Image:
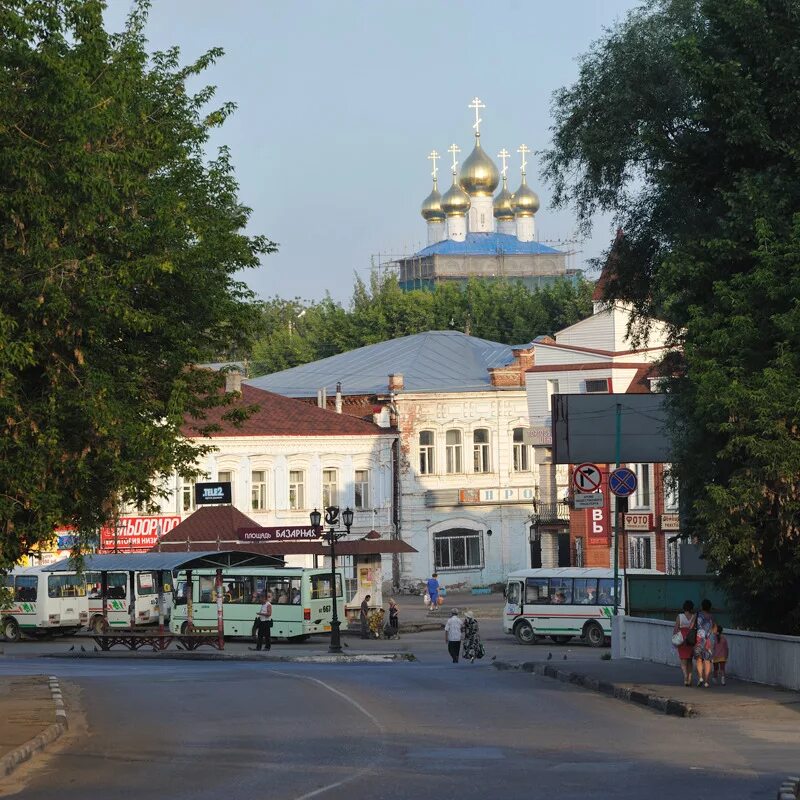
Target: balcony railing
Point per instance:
(552, 512)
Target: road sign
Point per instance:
(586, 478)
(622, 482)
(583, 500)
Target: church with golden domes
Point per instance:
(473, 233)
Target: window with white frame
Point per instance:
(227, 477)
(187, 495)
(521, 460)
(453, 455)
(297, 489)
(671, 499)
(640, 555)
(643, 496)
(361, 489)
(480, 450)
(458, 548)
(258, 490)
(427, 455)
(330, 487)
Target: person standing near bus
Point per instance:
(265, 623)
(364, 617)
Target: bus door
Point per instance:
(66, 600)
(513, 603)
(116, 600)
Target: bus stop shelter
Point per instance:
(166, 564)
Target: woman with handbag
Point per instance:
(685, 624)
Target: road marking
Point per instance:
(371, 717)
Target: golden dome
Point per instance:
(504, 203)
(479, 176)
(432, 205)
(455, 202)
(526, 201)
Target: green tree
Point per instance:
(120, 242)
(684, 122)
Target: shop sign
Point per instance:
(136, 533)
(468, 497)
(538, 435)
(638, 522)
(599, 531)
(302, 533)
(207, 494)
(670, 522)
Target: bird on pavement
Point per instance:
(549, 656)
(494, 658)
(565, 656)
(83, 649)
(72, 648)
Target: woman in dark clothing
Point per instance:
(473, 648)
(393, 628)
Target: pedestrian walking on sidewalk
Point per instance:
(265, 624)
(720, 654)
(364, 617)
(684, 622)
(433, 591)
(473, 647)
(704, 647)
(393, 628)
(453, 632)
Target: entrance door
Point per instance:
(536, 549)
(563, 550)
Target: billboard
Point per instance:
(136, 534)
(584, 428)
(218, 493)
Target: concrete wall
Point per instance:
(759, 657)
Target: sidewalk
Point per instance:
(413, 611)
(642, 681)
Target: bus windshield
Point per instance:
(321, 586)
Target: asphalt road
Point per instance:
(428, 729)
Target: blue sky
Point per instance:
(339, 103)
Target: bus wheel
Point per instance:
(524, 633)
(594, 634)
(11, 630)
(185, 628)
(97, 625)
(560, 639)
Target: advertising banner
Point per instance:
(207, 494)
(136, 534)
(598, 520)
(302, 533)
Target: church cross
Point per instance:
(454, 149)
(477, 105)
(434, 157)
(503, 155)
(524, 149)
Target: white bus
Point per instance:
(42, 602)
(301, 600)
(562, 603)
(118, 599)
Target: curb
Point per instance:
(332, 658)
(666, 705)
(10, 761)
(789, 789)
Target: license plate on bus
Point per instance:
(326, 627)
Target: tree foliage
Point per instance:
(685, 123)
(293, 332)
(119, 242)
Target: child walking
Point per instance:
(720, 655)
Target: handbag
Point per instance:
(677, 639)
(691, 634)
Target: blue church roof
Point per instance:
(435, 361)
(486, 244)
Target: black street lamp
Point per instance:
(332, 536)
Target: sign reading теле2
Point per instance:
(299, 534)
(218, 493)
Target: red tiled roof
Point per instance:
(281, 416)
(209, 524)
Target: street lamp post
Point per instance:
(332, 536)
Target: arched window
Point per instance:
(427, 453)
(480, 450)
(453, 448)
(521, 452)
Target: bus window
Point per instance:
(117, 586)
(25, 590)
(606, 592)
(207, 593)
(321, 586)
(238, 589)
(585, 591)
(512, 594)
(561, 590)
(145, 583)
(180, 593)
(65, 586)
(536, 591)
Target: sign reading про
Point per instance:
(507, 494)
(209, 494)
(299, 534)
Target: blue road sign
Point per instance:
(622, 482)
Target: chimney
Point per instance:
(324, 396)
(338, 397)
(233, 380)
(396, 382)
